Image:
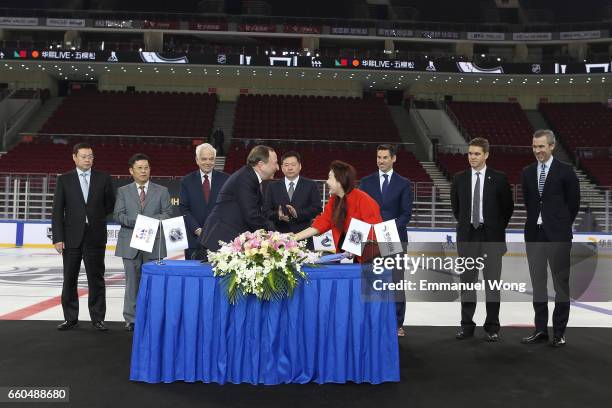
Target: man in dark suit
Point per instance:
(551, 192)
(199, 191)
(393, 193)
(83, 198)
(292, 202)
(239, 206)
(482, 203)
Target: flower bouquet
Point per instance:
(265, 264)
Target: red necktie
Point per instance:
(206, 188)
(142, 196)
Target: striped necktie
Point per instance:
(542, 179)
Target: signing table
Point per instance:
(186, 330)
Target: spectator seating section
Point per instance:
(499, 122)
(313, 118)
(139, 113)
(167, 159)
(580, 124)
(584, 125)
(317, 157)
(599, 169)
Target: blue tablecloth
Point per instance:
(187, 330)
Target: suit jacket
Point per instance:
(70, 210)
(192, 204)
(497, 204)
(397, 203)
(238, 209)
(558, 204)
(306, 200)
(156, 205)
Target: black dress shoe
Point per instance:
(536, 337)
(99, 325)
(464, 334)
(558, 341)
(129, 327)
(491, 337)
(67, 325)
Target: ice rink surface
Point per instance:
(31, 284)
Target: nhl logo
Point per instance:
(356, 237)
(176, 235)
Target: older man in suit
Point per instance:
(239, 206)
(292, 202)
(551, 192)
(151, 200)
(82, 200)
(199, 191)
(393, 193)
(482, 203)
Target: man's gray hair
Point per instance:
(550, 136)
(205, 146)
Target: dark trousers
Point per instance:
(400, 298)
(477, 246)
(93, 258)
(540, 255)
(196, 254)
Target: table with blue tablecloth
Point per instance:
(186, 330)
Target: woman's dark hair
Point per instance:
(346, 175)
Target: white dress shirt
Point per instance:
(287, 181)
(482, 181)
(146, 188)
(547, 164)
(88, 178)
(202, 174)
(381, 179)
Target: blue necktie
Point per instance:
(84, 186)
(542, 179)
(385, 184)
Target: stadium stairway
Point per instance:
(407, 132)
(42, 115)
(220, 163)
(224, 119)
(439, 179)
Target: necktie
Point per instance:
(476, 203)
(385, 185)
(206, 188)
(84, 186)
(542, 179)
(142, 196)
(291, 191)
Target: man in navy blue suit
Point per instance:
(551, 193)
(292, 202)
(239, 206)
(393, 193)
(198, 196)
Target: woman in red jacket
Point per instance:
(346, 202)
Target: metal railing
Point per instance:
(30, 197)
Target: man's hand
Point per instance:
(292, 211)
(59, 247)
(282, 216)
(198, 232)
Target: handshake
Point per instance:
(285, 214)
